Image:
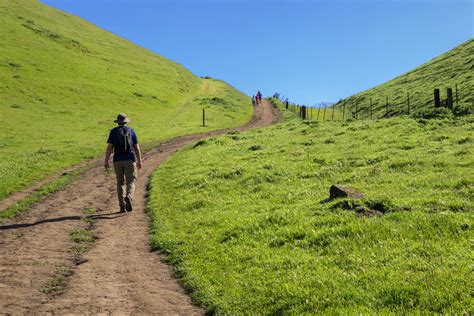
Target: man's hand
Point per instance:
(139, 155)
(108, 152)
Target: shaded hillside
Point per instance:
(63, 79)
(445, 71)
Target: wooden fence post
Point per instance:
(449, 99)
(408, 102)
(437, 99)
(203, 117)
(357, 111)
(324, 114)
(371, 108)
(332, 118)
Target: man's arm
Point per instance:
(139, 155)
(108, 152)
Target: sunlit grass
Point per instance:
(414, 91)
(246, 221)
(63, 81)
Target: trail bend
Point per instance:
(119, 274)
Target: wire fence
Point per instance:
(460, 101)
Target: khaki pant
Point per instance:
(126, 172)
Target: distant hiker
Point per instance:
(253, 100)
(123, 143)
(259, 96)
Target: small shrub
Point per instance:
(463, 140)
(432, 113)
(462, 110)
(255, 147)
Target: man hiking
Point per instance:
(123, 143)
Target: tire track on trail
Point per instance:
(119, 274)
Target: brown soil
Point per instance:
(119, 274)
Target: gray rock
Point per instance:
(339, 191)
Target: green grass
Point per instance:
(82, 236)
(248, 226)
(83, 239)
(64, 80)
(45, 190)
(57, 281)
(445, 71)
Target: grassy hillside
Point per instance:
(249, 226)
(453, 67)
(63, 80)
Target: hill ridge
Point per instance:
(450, 69)
(65, 79)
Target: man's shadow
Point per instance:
(65, 218)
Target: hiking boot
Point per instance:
(128, 204)
(122, 208)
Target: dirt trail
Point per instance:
(120, 273)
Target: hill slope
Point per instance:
(249, 226)
(63, 80)
(445, 71)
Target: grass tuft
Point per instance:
(45, 190)
(57, 281)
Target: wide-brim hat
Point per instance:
(122, 118)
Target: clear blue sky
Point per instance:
(310, 51)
